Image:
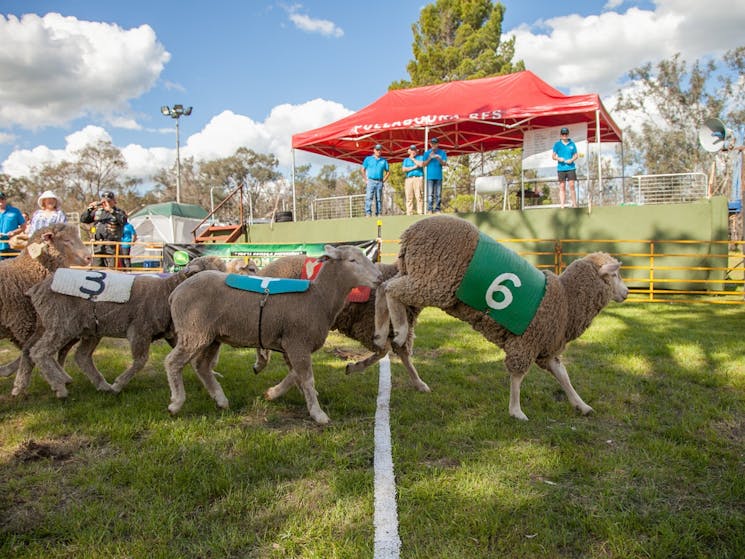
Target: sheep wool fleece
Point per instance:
(503, 285)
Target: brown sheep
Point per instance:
(144, 318)
(50, 248)
(434, 256)
(207, 312)
(356, 321)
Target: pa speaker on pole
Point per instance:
(714, 136)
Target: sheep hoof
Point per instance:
(585, 410)
(321, 418)
(257, 369)
(519, 415)
(421, 386)
(16, 392)
(106, 387)
(222, 403)
(379, 341)
(271, 393)
(116, 388)
(61, 392)
(173, 409)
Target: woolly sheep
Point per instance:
(143, 319)
(356, 321)
(207, 312)
(435, 253)
(50, 248)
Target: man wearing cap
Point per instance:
(414, 181)
(375, 170)
(565, 154)
(435, 159)
(11, 223)
(109, 222)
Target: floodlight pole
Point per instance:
(177, 111)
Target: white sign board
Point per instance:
(538, 147)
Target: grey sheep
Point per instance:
(356, 321)
(207, 312)
(434, 256)
(49, 248)
(144, 318)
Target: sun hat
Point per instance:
(46, 194)
(564, 131)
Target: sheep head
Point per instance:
(366, 273)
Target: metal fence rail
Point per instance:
(670, 189)
(338, 207)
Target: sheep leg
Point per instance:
(204, 361)
(400, 292)
(262, 360)
(36, 351)
(9, 368)
(174, 364)
(140, 350)
(404, 355)
(303, 368)
(290, 380)
(556, 368)
(84, 360)
(382, 318)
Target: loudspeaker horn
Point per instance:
(714, 136)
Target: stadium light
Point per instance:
(177, 111)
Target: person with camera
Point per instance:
(109, 222)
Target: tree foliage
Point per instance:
(675, 98)
(459, 40)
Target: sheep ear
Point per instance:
(35, 249)
(611, 268)
(331, 251)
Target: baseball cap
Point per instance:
(564, 131)
(434, 141)
(412, 146)
(108, 194)
(378, 146)
(2, 196)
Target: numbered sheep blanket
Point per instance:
(95, 285)
(502, 284)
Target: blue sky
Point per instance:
(258, 71)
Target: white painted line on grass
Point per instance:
(387, 542)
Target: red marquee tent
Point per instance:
(466, 116)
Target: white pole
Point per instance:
(178, 164)
(294, 210)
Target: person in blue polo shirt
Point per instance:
(412, 167)
(435, 159)
(565, 154)
(375, 170)
(11, 223)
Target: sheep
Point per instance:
(434, 256)
(356, 321)
(143, 319)
(49, 248)
(207, 312)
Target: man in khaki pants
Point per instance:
(414, 180)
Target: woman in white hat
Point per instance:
(49, 212)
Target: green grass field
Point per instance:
(657, 471)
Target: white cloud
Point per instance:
(221, 136)
(594, 53)
(54, 69)
(313, 25)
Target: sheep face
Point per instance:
(363, 270)
(62, 242)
